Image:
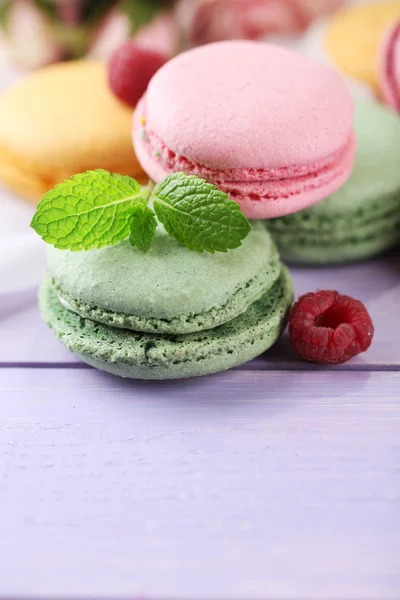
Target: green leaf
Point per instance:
(90, 210)
(198, 215)
(143, 227)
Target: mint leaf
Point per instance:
(143, 227)
(90, 210)
(97, 209)
(198, 215)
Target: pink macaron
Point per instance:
(389, 72)
(270, 127)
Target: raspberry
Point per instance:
(327, 327)
(130, 69)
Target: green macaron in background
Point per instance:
(171, 313)
(362, 219)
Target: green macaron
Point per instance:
(171, 313)
(141, 355)
(169, 290)
(362, 219)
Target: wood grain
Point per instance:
(240, 485)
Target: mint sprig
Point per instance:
(97, 209)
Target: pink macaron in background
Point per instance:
(389, 72)
(272, 128)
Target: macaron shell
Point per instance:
(248, 105)
(354, 36)
(63, 120)
(169, 289)
(149, 356)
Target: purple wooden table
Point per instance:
(276, 480)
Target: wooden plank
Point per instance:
(268, 485)
(25, 339)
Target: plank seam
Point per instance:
(372, 368)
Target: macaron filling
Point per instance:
(246, 186)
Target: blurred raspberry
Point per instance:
(130, 69)
(328, 327)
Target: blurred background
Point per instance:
(38, 32)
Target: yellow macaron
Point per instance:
(354, 34)
(59, 121)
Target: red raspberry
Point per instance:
(327, 327)
(130, 69)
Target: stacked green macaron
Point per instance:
(362, 219)
(170, 313)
